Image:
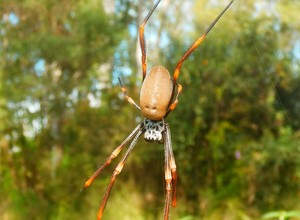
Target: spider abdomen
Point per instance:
(156, 93)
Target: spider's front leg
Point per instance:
(117, 171)
(170, 173)
(113, 155)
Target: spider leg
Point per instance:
(113, 155)
(143, 40)
(168, 179)
(128, 98)
(197, 43)
(174, 104)
(117, 172)
(170, 173)
(172, 164)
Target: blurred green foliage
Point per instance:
(235, 131)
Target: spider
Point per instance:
(158, 97)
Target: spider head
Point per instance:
(154, 130)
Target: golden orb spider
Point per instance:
(158, 97)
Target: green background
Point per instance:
(235, 131)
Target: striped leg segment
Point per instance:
(128, 98)
(117, 171)
(112, 156)
(143, 40)
(170, 173)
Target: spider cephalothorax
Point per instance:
(154, 130)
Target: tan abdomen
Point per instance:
(156, 93)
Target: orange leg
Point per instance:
(112, 156)
(174, 104)
(167, 200)
(128, 98)
(143, 40)
(197, 43)
(174, 183)
(170, 174)
(172, 164)
(117, 171)
(168, 179)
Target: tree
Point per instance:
(234, 130)
(53, 60)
